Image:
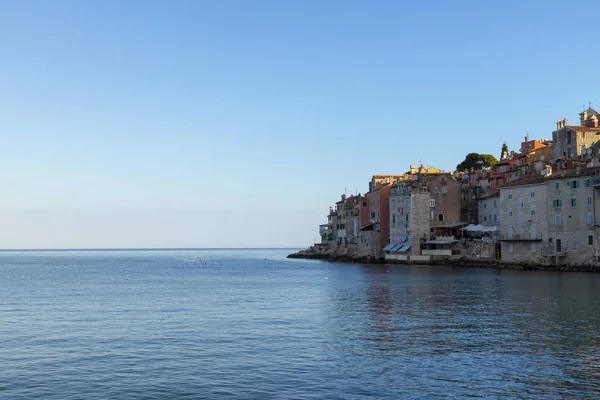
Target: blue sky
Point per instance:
(237, 123)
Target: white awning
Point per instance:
(389, 247)
(404, 248)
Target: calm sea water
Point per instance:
(253, 325)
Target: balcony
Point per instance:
(550, 251)
(595, 181)
(520, 238)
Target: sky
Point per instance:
(238, 123)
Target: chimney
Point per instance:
(526, 138)
(593, 121)
(583, 117)
(565, 122)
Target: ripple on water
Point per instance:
(153, 324)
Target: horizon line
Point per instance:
(150, 248)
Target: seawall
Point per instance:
(459, 262)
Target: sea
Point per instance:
(251, 324)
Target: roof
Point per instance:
(570, 173)
(578, 128)
(530, 179)
(449, 225)
(590, 110)
(488, 195)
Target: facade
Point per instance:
(340, 236)
(570, 141)
(523, 219)
(489, 209)
(570, 219)
(409, 216)
(444, 204)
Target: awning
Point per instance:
(490, 229)
(474, 228)
(404, 248)
(389, 247)
(449, 225)
(467, 228)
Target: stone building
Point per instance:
(351, 211)
(570, 217)
(570, 141)
(523, 219)
(489, 209)
(409, 216)
(444, 203)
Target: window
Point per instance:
(509, 195)
(373, 215)
(393, 218)
(590, 218)
(435, 189)
(532, 193)
(495, 218)
(521, 204)
(557, 220)
(556, 185)
(495, 205)
(432, 203)
(574, 184)
(510, 247)
(573, 202)
(510, 212)
(533, 247)
(591, 240)
(484, 205)
(521, 218)
(589, 200)
(444, 190)
(440, 217)
(431, 218)
(532, 211)
(587, 183)
(484, 219)
(557, 203)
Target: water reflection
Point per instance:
(534, 332)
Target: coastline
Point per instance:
(457, 262)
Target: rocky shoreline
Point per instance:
(456, 262)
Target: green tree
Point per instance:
(476, 161)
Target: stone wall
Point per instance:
(420, 206)
(523, 215)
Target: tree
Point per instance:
(504, 150)
(476, 161)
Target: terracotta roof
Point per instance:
(530, 179)
(578, 128)
(570, 173)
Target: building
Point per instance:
(523, 219)
(445, 204)
(352, 206)
(488, 206)
(570, 217)
(409, 217)
(570, 141)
